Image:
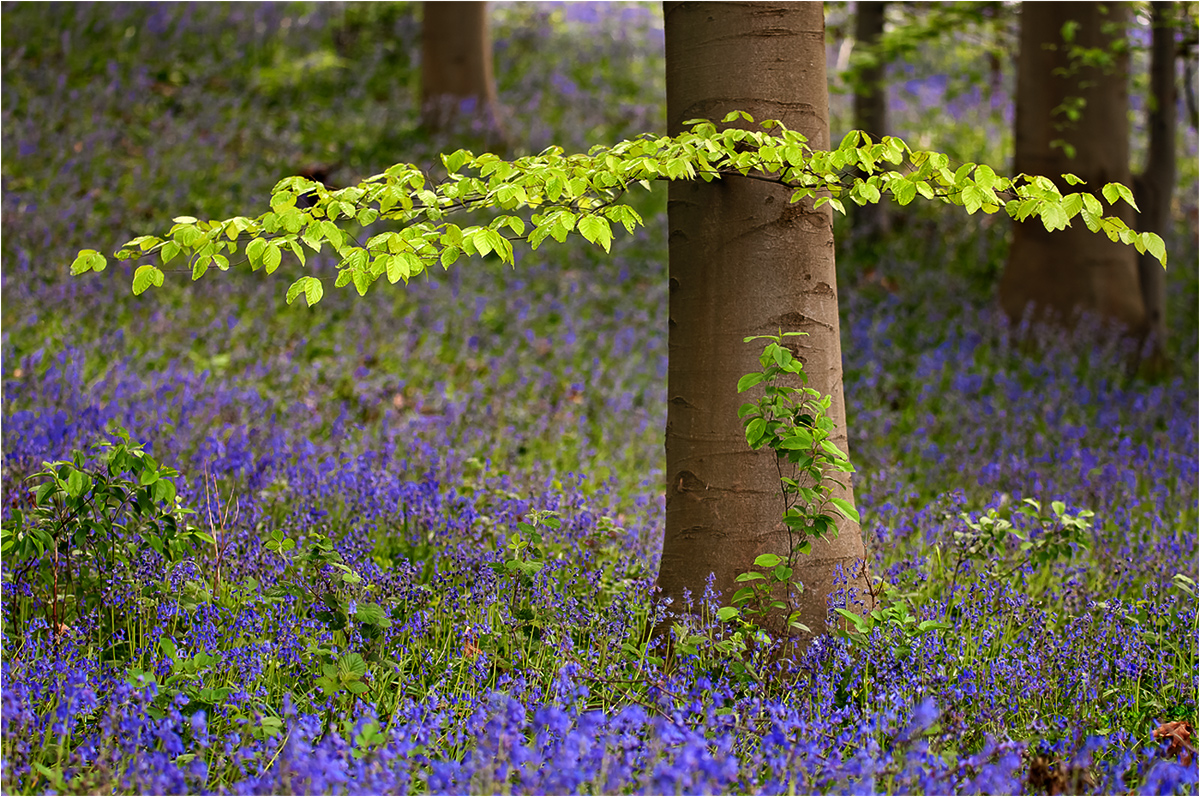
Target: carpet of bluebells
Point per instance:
(429, 520)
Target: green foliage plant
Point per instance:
(527, 555)
(87, 523)
(997, 548)
(329, 589)
(794, 423)
(582, 194)
(1002, 548)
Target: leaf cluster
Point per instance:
(792, 421)
(582, 194)
(87, 522)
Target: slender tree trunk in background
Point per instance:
(1070, 270)
(743, 261)
(1155, 185)
(870, 106)
(456, 64)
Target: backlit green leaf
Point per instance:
(146, 276)
(271, 257)
(596, 230)
(846, 508)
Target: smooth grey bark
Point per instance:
(456, 64)
(1061, 273)
(744, 261)
(1156, 184)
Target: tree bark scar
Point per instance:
(688, 482)
(768, 33)
(794, 320)
(703, 532)
(804, 213)
(787, 321)
(680, 401)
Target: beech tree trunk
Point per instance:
(456, 64)
(1155, 185)
(1061, 273)
(870, 106)
(744, 261)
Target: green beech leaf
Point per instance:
(145, 276)
(88, 260)
(1053, 217)
(331, 233)
(596, 230)
(271, 257)
(903, 190)
(1114, 191)
(985, 178)
(254, 253)
(403, 266)
(311, 288)
(1155, 246)
(297, 251)
(200, 266)
(361, 280)
(168, 252)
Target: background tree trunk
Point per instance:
(870, 105)
(456, 64)
(1155, 185)
(743, 261)
(1070, 270)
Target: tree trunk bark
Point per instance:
(1061, 273)
(743, 261)
(456, 65)
(870, 107)
(1155, 185)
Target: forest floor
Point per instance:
(427, 522)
